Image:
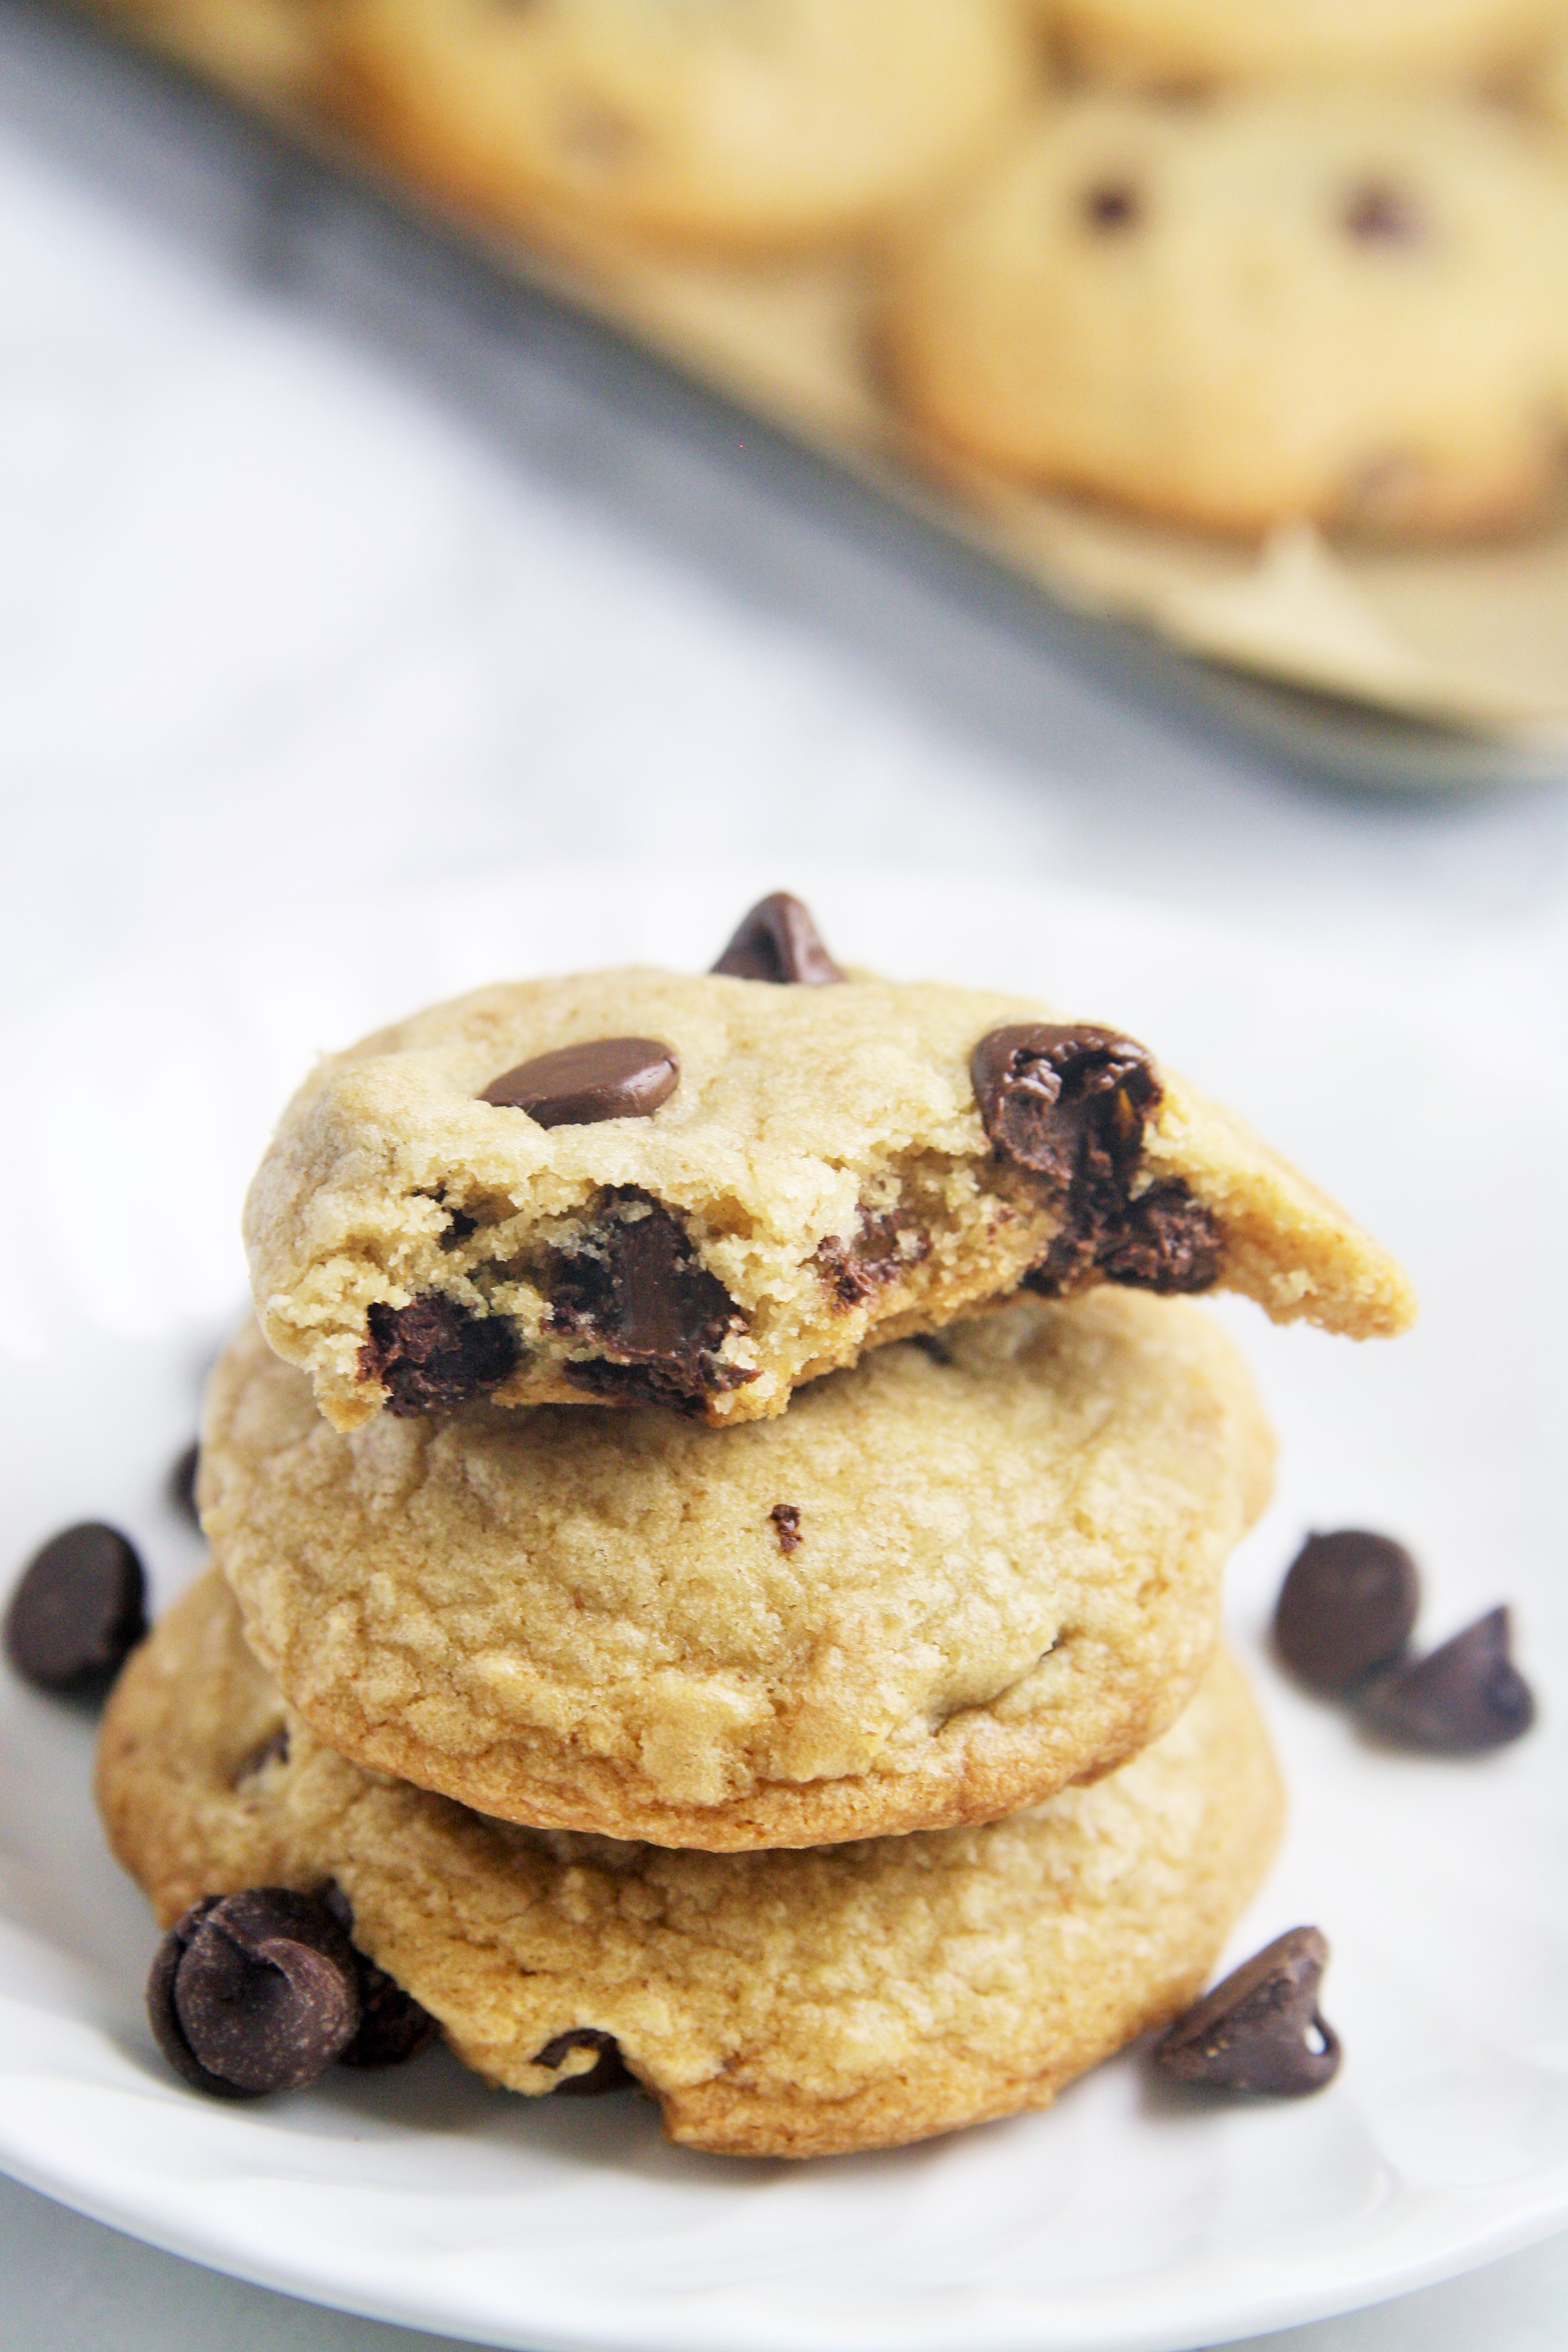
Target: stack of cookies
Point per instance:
(718, 1530)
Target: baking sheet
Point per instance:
(1472, 638)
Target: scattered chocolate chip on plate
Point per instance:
(1461, 1699)
(1261, 2029)
(79, 1610)
(1346, 1609)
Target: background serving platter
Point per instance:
(1128, 2216)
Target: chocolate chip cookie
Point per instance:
(1335, 306)
(273, 49)
(634, 1187)
(775, 2005)
(945, 1583)
(728, 124)
(1180, 42)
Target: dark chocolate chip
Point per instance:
(637, 1285)
(1261, 2029)
(1066, 1103)
(1460, 1700)
(183, 1483)
(433, 1354)
(1346, 1609)
(1377, 213)
(879, 1252)
(778, 942)
(79, 1610)
(393, 2026)
(1112, 204)
(785, 1517)
(610, 2074)
(606, 1077)
(253, 1992)
(1069, 1106)
(459, 1225)
(1163, 1241)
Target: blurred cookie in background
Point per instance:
(1156, 42)
(1336, 305)
(750, 125)
(1550, 91)
(267, 48)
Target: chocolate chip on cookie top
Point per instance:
(1261, 2029)
(253, 1992)
(79, 1610)
(1070, 1104)
(606, 1078)
(779, 941)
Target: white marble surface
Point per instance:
(324, 559)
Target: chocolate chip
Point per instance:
(778, 942)
(433, 1355)
(393, 2026)
(253, 1992)
(785, 1517)
(1346, 1609)
(183, 1483)
(1377, 213)
(1460, 1700)
(459, 1225)
(887, 1242)
(1112, 204)
(1163, 1241)
(611, 2073)
(637, 1285)
(1069, 1106)
(79, 1610)
(606, 1077)
(1260, 2029)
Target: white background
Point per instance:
(325, 559)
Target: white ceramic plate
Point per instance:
(1127, 2217)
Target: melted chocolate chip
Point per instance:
(610, 2074)
(253, 1992)
(1112, 204)
(1346, 1609)
(1261, 2029)
(778, 942)
(785, 1517)
(637, 1285)
(183, 1483)
(393, 2026)
(1378, 213)
(433, 1355)
(79, 1610)
(856, 1270)
(1164, 1241)
(1069, 1106)
(1460, 1700)
(606, 1078)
